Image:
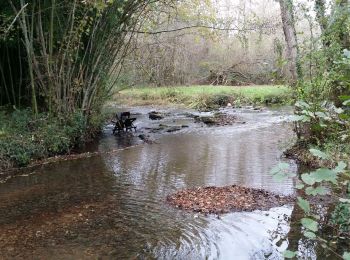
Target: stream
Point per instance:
(113, 205)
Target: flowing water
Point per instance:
(113, 205)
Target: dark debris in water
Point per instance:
(219, 200)
(219, 119)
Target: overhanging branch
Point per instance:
(14, 20)
(203, 27)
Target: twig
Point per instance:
(195, 26)
(15, 19)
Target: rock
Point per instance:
(219, 114)
(142, 137)
(206, 120)
(153, 115)
(219, 119)
(229, 105)
(146, 139)
(190, 115)
(173, 129)
(184, 126)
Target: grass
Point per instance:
(205, 96)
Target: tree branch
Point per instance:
(14, 20)
(196, 26)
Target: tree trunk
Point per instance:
(28, 41)
(290, 37)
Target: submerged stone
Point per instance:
(173, 129)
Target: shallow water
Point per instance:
(114, 205)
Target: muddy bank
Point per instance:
(300, 153)
(218, 200)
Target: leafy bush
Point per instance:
(320, 122)
(317, 183)
(208, 101)
(169, 93)
(221, 99)
(25, 137)
(202, 101)
(341, 218)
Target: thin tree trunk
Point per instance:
(51, 39)
(291, 38)
(28, 42)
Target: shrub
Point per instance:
(341, 218)
(24, 137)
(221, 99)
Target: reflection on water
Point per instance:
(113, 206)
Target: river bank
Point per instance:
(27, 139)
(205, 97)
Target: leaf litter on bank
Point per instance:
(219, 200)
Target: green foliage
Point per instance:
(221, 99)
(310, 235)
(321, 122)
(289, 254)
(329, 53)
(319, 154)
(316, 191)
(26, 137)
(309, 224)
(341, 218)
(320, 175)
(322, 118)
(314, 184)
(207, 101)
(346, 256)
(281, 172)
(78, 47)
(304, 205)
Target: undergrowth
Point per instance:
(25, 138)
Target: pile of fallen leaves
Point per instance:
(218, 200)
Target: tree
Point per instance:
(320, 9)
(288, 23)
(73, 50)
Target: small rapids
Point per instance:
(114, 205)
